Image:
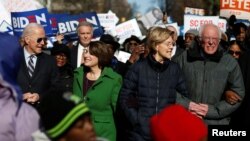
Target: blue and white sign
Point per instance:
(20, 20)
(68, 24)
(54, 18)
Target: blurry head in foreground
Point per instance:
(66, 118)
(175, 123)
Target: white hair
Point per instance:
(29, 29)
(209, 25)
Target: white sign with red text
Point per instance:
(108, 20)
(195, 22)
(222, 24)
(239, 8)
(126, 29)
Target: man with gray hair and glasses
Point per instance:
(209, 71)
(38, 71)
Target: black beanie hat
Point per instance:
(59, 111)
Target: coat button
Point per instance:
(86, 99)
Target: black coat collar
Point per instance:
(196, 53)
(156, 65)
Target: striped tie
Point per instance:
(31, 65)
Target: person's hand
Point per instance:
(231, 97)
(193, 107)
(31, 97)
(26, 96)
(59, 38)
(140, 49)
(194, 113)
(135, 55)
(34, 98)
(200, 110)
(203, 109)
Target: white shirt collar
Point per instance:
(26, 53)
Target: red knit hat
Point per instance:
(175, 123)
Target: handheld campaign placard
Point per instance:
(67, 25)
(54, 18)
(20, 20)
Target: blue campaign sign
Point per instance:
(20, 20)
(54, 18)
(68, 24)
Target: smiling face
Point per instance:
(210, 39)
(35, 41)
(89, 59)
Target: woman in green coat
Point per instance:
(98, 86)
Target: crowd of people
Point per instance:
(82, 92)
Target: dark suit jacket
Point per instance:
(73, 56)
(240, 117)
(45, 75)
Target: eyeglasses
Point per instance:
(169, 44)
(44, 39)
(207, 39)
(61, 56)
(234, 52)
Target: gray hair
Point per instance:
(211, 25)
(84, 23)
(29, 29)
(169, 27)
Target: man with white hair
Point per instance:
(38, 71)
(209, 71)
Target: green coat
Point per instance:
(101, 98)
